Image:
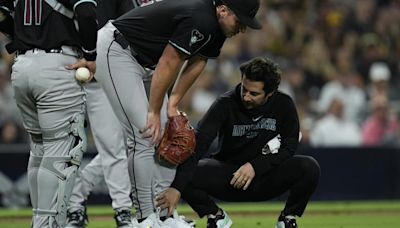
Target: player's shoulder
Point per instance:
(283, 98)
(228, 98)
(202, 10)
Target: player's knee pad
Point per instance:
(75, 128)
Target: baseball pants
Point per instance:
(126, 85)
(111, 161)
(299, 175)
(49, 99)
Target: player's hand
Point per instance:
(243, 176)
(91, 65)
(168, 199)
(153, 128)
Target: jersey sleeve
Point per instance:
(213, 48)
(190, 36)
(206, 132)
(7, 5)
(6, 20)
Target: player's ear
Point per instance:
(222, 10)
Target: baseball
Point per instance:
(82, 74)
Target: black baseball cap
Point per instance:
(245, 10)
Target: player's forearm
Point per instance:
(163, 77)
(186, 80)
(86, 17)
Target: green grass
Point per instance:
(351, 214)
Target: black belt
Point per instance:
(56, 50)
(124, 43)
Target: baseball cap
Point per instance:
(379, 71)
(245, 10)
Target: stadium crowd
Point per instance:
(341, 66)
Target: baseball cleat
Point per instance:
(153, 221)
(219, 221)
(177, 221)
(77, 219)
(286, 222)
(123, 218)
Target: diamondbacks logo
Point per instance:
(196, 37)
(252, 130)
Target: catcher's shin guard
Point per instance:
(66, 177)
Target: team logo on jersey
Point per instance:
(196, 37)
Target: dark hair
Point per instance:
(218, 2)
(262, 70)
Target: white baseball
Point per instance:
(82, 74)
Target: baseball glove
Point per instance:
(178, 142)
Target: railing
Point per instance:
(346, 174)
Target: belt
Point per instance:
(36, 50)
(124, 43)
(65, 50)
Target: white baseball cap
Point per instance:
(379, 71)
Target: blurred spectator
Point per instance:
(379, 75)
(292, 82)
(351, 48)
(334, 130)
(8, 107)
(361, 18)
(370, 50)
(347, 88)
(382, 127)
(11, 133)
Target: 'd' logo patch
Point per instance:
(196, 37)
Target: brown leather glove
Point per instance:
(178, 142)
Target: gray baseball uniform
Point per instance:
(124, 69)
(160, 35)
(111, 161)
(130, 81)
(112, 158)
(51, 101)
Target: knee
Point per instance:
(311, 168)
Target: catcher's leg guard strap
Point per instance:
(40, 218)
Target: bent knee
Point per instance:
(310, 167)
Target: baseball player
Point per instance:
(258, 131)
(49, 48)
(111, 161)
(140, 55)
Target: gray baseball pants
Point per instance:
(49, 99)
(125, 83)
(111, 161)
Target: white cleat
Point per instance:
(177, 221)
(153, 221)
